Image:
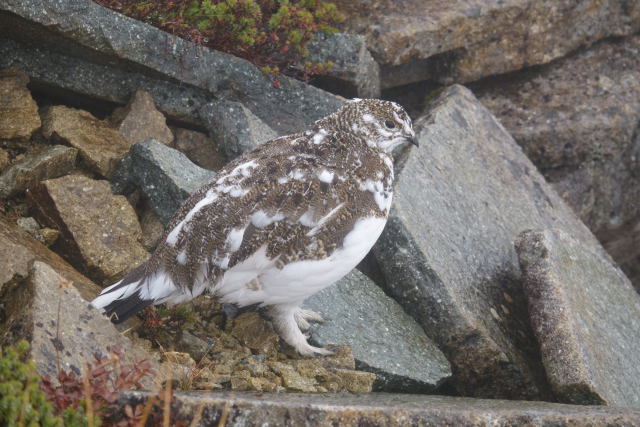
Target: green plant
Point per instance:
(273, 34)
(22, 402)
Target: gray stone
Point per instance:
(51, 162)
(165, 175)
(139, 120)
(447, 253)
(63, 329)
(83, 28)
(100, 231)
(381, 409)
(18, 111)
(19, 250)
(235, 127)
(577, 120)
(28, 224)
(586, 317)
(357, 73)
(384, 339)
(464, 40)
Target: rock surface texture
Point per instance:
(586, 317)
(384, 339)
(101, 147)
(384, 409)
(461, 40)
(165, 176)
(59, 324)
(100, 232)
(199, 148)
(18, 111)
(139, 120)
(578, 120)
(447, 253)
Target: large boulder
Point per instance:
(464, 40)
(100, 231)
(577, 120)
(385, 340)
(586, 317)
(447, 252)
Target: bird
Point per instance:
(279, 223)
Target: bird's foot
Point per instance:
(303, 316)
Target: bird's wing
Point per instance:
(284, 200)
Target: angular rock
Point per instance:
(139, 120)
(384, 339)
(463, 40)
(199, 148)
(4, 159)
(381, 409)
(62, 328)
(18, 251)
(51, 162)
(166, 176)
(83, 28)
(101, 147)
(254, 333)
(354, 72)
(100, 231)
(18, 111)
(235, 127)
(447, 253)
(577, 119)
(586, 317)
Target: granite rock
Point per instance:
(18, 111)
(51, 162)
(586, 317)
(165, 176)
(447, 253)
(462, 41)
(60, 325)
(100, 231)
(140, 120)
(577, 120)
(381, 409)
(101, 147)
(19, 250)
(199, 148)
(354, 72)
(384, 339)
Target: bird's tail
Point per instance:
(123, 299)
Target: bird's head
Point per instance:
(383, 124)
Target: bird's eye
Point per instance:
(389, 124)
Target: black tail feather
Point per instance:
(121, 309)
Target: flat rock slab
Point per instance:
(18, 251)
(51, 162)
(18, 111)
(100, 231)
(384, 339)
(139, 120)
(165, 175)
(586, 317)
(464, 40)
(59, 324)
(101, 147)
(447, 252)
(577, 120)
(382, 409)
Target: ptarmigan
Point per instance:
(279, 223)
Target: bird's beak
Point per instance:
(413, 140)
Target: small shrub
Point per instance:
(272, 34)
